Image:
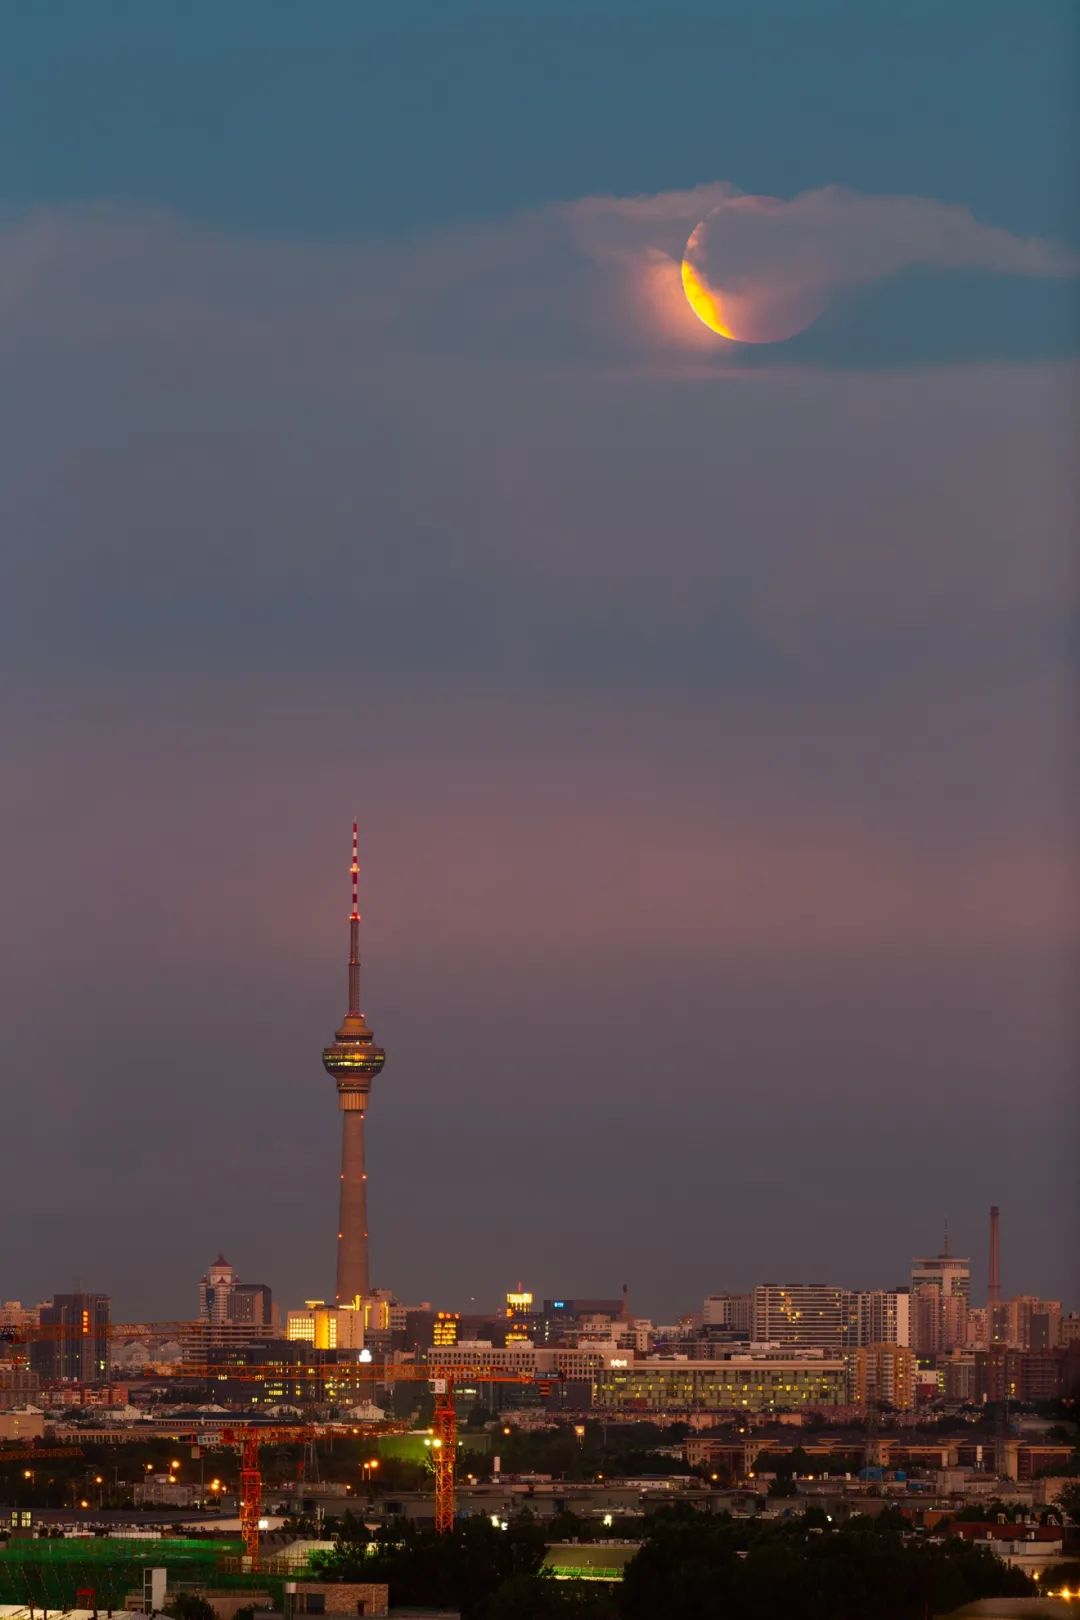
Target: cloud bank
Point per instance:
(595, 281)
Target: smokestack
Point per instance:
(993, 1291)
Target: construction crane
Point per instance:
(442, 1378)
(248, 1437)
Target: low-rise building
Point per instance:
(752, 1382)
(22, 1424)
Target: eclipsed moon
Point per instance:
(736, 297)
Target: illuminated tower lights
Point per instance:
(354, 1060)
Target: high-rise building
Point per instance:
(1025, 1322)
(445, 1328)
(215, 1291)
(883, 1374)
(882, 1316)
(1005, 1374)
(520, 1317)
(225, 1301)
(734, 1311)
(77, 1347)
(940, 1286)
(803, 1316)
(353, 1060)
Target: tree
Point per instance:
(541, 1597)
(748, 1570)
(1069, 1501)
(464, 1567)
(189, 1606)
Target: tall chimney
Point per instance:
(993, 1291)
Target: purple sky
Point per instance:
(709, 716)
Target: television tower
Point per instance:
(354, 1060)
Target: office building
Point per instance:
(734, 1311)
(803, 1316)
(327, 1327)
(74, 1346)
(750, 1382)
(223, 1299)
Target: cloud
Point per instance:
(759, 250)
(590, 283)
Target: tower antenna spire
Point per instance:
(354, 926)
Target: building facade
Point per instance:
(740, 1383)
(940, 1288)
(883, 1375)
(734, 1311)
(803, 1316)
(327, 1327)
(882, 1316)
(76, 1347)
(224, 1299)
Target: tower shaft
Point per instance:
(353, 1278)
(353, 1060)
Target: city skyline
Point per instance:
(708, 708)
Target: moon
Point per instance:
(739, 286)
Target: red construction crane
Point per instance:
(442, 1378)
(248, 1438)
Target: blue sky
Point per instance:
(708, 708)
(360, 119)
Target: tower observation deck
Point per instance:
(353, 1060)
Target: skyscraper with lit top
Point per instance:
(354, 1060)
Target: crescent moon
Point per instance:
(762, 306)
(704, 302)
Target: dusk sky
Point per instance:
(708, 708)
